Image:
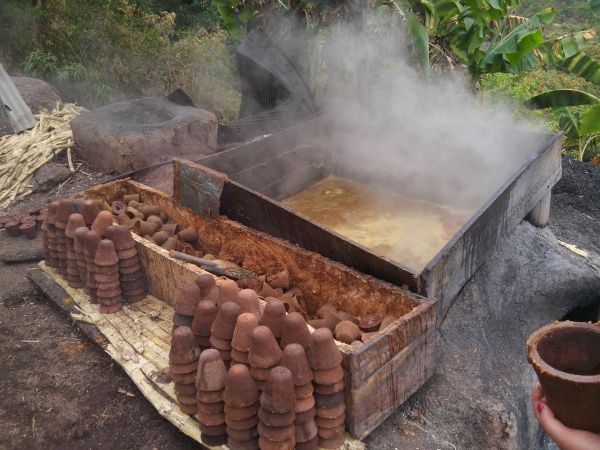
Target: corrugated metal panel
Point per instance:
(17, 110)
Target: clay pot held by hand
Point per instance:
(566, 358)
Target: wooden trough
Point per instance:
(380, 374)
(265, 171)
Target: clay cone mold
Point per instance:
(189, 234)
(188, 299)
(249, 302)
(566, 359)
(211, 372)
(210, 408)
(206, 312)
(294, 358)
(305, 432)
(295, 330)
(208, 287)
(275, 419)
(347, 332)
(329, 377)
(323, 354)
(122, 238)
(106, 255)
(89, 211)
(183, 346)
(103, 220)
(273, 316)
(65, 208)
(263, 351)
(246, 323)
(228, 292)
(239, 357)
(278, 396)
(240, 390)
(224, 324)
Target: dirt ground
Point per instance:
(60, 391)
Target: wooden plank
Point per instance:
(389, 387)
(198, 187)
(462, 256)
(17, 110)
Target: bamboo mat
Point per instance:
(138, 339)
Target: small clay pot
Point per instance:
(268, 291)
(323, 354)
(149, 210)
(106, 255)
(183, 346)
(275, 419)
(160, 237)
(79, 240)
(208, 287)
(156, 220)
(123, 219)
(170, 244)
(228, 291)
(126, 254)
(204, 316)
(347, 331)
(122, 238)
(566, 359)
(189, 234)
(240, 412)
(28, 230)
(89, 211)
(210, 408)
(221, 344)
(170, 228)
(273, 316)
(278, 396)
(52, 208)
(246, 323)
(210, 397)
(239, 357)
(134, 213)
(249, 302)
(186, 389)
(329, 389)
(129, 262)
(328, 377)
(211, 372)
(305, 431)
(75, 221)
(65, 208)
(103, 220)
(304, 391)
(330, 423)
(118, 208)
(331, 413)
(260, 374)
(188, 300)
(143, 227)
(295, 330)
(91, 240)
(248, 434)
(13, 228)
(294, 358)
(263, 351)
(130, 198)
(277, 434)
(224, 324)
(370, 322)
(240, 389)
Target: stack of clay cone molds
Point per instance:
(326, 361)
(185, 305)
(273, 317)
(208, 288)
(249, 302)
(73, 277)
(306, 433)
(264, 354)
(91, 239)
(210, 390)
(106, 275)
(89, 211)
(64, 210)
(81, 263)
(50, 233)
(183, 365)
(246, 323)
(205, 315)
(276, 413)
(222, 330)
(103, 220)
(228, 292)
(241, 409)
(133, 284)
(295, 331)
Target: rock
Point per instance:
(48, 176)
(36, 93)
(20, 249)
(480, 395)
(132, 134)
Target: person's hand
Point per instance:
(566, 438)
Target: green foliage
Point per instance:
(95, 51)
(561, 97)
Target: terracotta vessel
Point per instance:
(28, 230)
(224, 324)
(149, 210)
(160, 237)
(273, 316)
(204, 316)
(65, 208)
(130, 198)
(188, 299)
(89, 211)
(103, 220)
(246, 323)
(566, 358)
(240, 389)
(75, 221)
(170, 244)
(143, 227)
(294, 358)
(122, 238)
(323, 354)
(189, 234)
(295, 330)
(347, 331)
(328, 377)
(106, 255)
(228, 291)
(275, 419)
(13, 228)
(170, 228)
(118, 208)
(90, 244)
(208, 287)
(249, 302)
(263, 351)
(183, 346)
(211, 371)
(278, 396)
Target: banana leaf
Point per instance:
(561, 97)
(420, 39)
(568, 122)
(590, 121)
(584, 66)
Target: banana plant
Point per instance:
(584, 128)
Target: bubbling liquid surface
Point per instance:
(408, 231)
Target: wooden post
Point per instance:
(540, 214)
